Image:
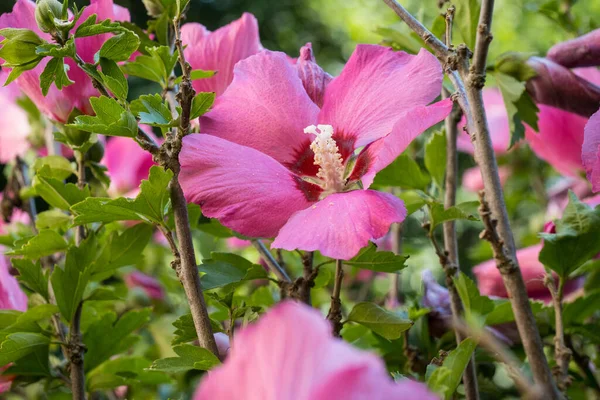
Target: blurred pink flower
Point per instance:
(497, 122)
(220, 50)
(256, 170)
(14, 123)
(58, 104)
(290, 354)
(590, 153)
(490, 281)
(128, 164)
(236, 243)
(473, 181)
(147, 283)
(583, 51)
(12, 296)
(223, 345)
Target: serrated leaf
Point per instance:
(575, 240)
(114, 78)
(197, 74)
(224, 269)
(473, 302)
(53, 219)
(32, 276)
(69, 283)
(18, 51)
(55, 72)
(151, 204)
(109, 336)
(435, 157)
(466, 210)
(111, 119)
(156, 66)
(89, 27)
(124, 249)
(54, 167)
(381, 321)
(201, 103)
(404, 173)
(190, 357)
(186, 331)
(152, 110)
(18, 345)
(120, 47)
(57, 193)
(33, 364)
(467, 19)
(445, 379)
(380, 261)
(45, 243)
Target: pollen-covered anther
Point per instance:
(328, 158)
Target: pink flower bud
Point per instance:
(314, 78)
(559, 87)
(223, 345)
(583, 51)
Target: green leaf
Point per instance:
(435, 157)
(124, 371)
(503, 312)
(413, 200)
(19, 51)
(152, 110)
(54, 167)
(32, 276)
(56, 50)
(190, 357)
(380, 261)
(381, 321)
(114, 78)
(151, 204)
(57, 193)
(519, 106)
(55, 71)
(186, 331)
(124, 249)
(28, 320)
(109, 336)
(69, 283)
(582, 308)
(575, 240)
(52, 219)
(157, 66)
(445, 379)
(45, 243)
(111, 119)
(197, 74)
(405, 173)
(515, 64)
(89, 27)
(466, 18)
(20, 344)
(223, 269)
(33, 364)
(400, 40)
(466, 210)
(201, 103)
(120, 47)
(473, 302)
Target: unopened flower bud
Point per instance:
(583, 51)
(45, 13)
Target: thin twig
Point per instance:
(456, 65)
(503, 355)
(449, 257)
(394, 298)
(308, 277)
(76, 351)
(271, 261)
(562, 354)
(335, 310)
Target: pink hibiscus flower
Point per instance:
(497, 122)
(590, 154)
(290, 354)
(128, 164)
(14, 124)
(220, 50)
(150, 285)
(58, 104)
(490, 281)
(264, 169)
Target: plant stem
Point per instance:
(449, 260)
(335, 309)
(76, 351)
(470, 99)
(562, 354)
(308, 277)
(394, 296)
(271, 261)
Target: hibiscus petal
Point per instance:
(411, 124)
(245, 189)
(12, 296)
(270, 106)
(294, 357)
(376, 83)
(221, 50)
(342, 223)
(191, 34)
(559, 140)
(590, 154)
